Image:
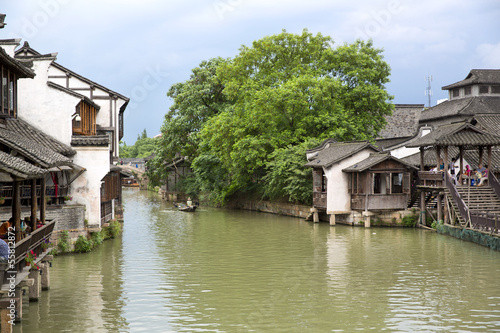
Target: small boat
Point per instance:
(187, 208)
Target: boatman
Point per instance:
(189, 203)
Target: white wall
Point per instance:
(46, 108)
(338, 197)
(86, 189)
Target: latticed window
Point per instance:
(467, 90)
(495, 89)
(483, 89)
(84, 119)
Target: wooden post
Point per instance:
(446, 161)
(439, 208)
(489, 159)
(438, 158)
(461, 148)
(34, 205)
(422, 192)
(446, 219)
(368, 221)
(480, 155)
(34, 290)
(16, 209)
(43, 200)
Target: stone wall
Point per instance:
(272, 207)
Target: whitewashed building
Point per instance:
(82, 114)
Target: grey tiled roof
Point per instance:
(477, 76)
(93, 140)
(333, 152)
(17, 66)
(458, 134)
(490, 122)
(466, 107)
(373, 160)
(403, 122)
(31, 149)
(430, 159)
(23, 128)
(17, 167)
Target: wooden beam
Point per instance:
(34, 204)
(16, 209)
(43, 200)
(489, 158)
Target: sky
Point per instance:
(139, 48)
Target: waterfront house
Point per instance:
(84, 115)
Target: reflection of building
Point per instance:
(84, 115)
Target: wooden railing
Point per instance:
(7, 192)
(431, 178)
(462, 207)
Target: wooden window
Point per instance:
(467, 90)
(8, 93)
(495, 89)
(483, 89)
(84, 122)
(396, 183)
(323, 181)
(456, 92)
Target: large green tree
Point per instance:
(194, 102)
(287, 88)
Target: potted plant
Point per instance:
(67, 198)
(30, 258)
(45, 245)
(2, 200)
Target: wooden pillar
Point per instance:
(480, 155)
(332, 219)
(446, 161)
(43, 200)
(439, 207)
(34, 204)
(34, 290)
(461, 172)
(489, 159)
(422, 162)
(438, 157)
(16, 209)
(446, 219)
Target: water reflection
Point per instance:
(232, 271)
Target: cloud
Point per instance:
(489, 55)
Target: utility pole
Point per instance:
(428, 91)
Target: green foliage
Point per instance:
(142, 148)
(410, 221)
(83, 244)
(97, 238)
(286, 175)
(245, 123)
(114, 229)
(63, 242)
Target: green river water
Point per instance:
(234, 271)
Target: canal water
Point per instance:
(235, 271)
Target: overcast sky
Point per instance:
(139, 48)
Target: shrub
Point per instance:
(114, 229)
(83, 244)
(63, 242)
(97, 238)
(410, 221)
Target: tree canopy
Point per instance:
(242, 118)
